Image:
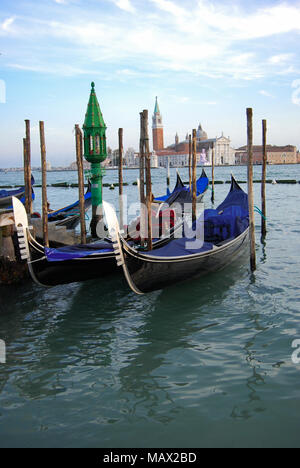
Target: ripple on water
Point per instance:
(206, 363)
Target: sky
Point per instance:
(207, 61)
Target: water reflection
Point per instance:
(74, 333)
(257, 374)
(263, 258)
(147, 380)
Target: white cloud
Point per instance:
(280, 59)
(265, 22)
(296, 93)
(205, 40)
(6, 25)
(171, 7)
(61, 69)
(125, 5)
(265, 93)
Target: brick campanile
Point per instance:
(157, 129)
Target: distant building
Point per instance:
(86, 166)
(130, 158)
(115, 158)
(177, 159)
(224, 153)
(275, 155)
(179, 151)
(154, 160)
(48, 166)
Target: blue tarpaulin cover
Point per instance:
(11, 193)
(15, 192)
(230, 219)
(177, 248)
(181, 194)
(202, 185)
(78, 251)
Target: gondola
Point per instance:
(182, 194)
(54, 266)
(6, 196)
(226, 237)
(69, 216)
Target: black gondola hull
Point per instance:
(151, 274)
(6, 202)
(71, 271)
(74, 271)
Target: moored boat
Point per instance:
(53, 266)
(69, 216)
(19, 193)
(226, 236)
(182, 194)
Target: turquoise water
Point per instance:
(204, 364)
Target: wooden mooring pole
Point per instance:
(142, 182)
(250, 189)
(142, 160)
(194, 176)
(27, 170)
(148, 179)
(79, 159)
(213, 174)
(26, 176)
(168, 175)
(44, 185)
(120, 134)
(264, 178)
(190, 162)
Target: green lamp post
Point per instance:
(95, 153)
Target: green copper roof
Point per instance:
(156, 108)
(93, 116)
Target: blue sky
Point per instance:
(207, 61)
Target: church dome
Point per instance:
(201, 134)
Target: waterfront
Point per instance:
(203, 364)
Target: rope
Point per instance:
(257, 210)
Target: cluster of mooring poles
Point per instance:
(91, 145)
(193, 188)
(28, 179)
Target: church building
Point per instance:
(178, 153)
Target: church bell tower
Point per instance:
(157, 129)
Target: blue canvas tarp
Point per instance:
(73, 252)
(178, 248)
